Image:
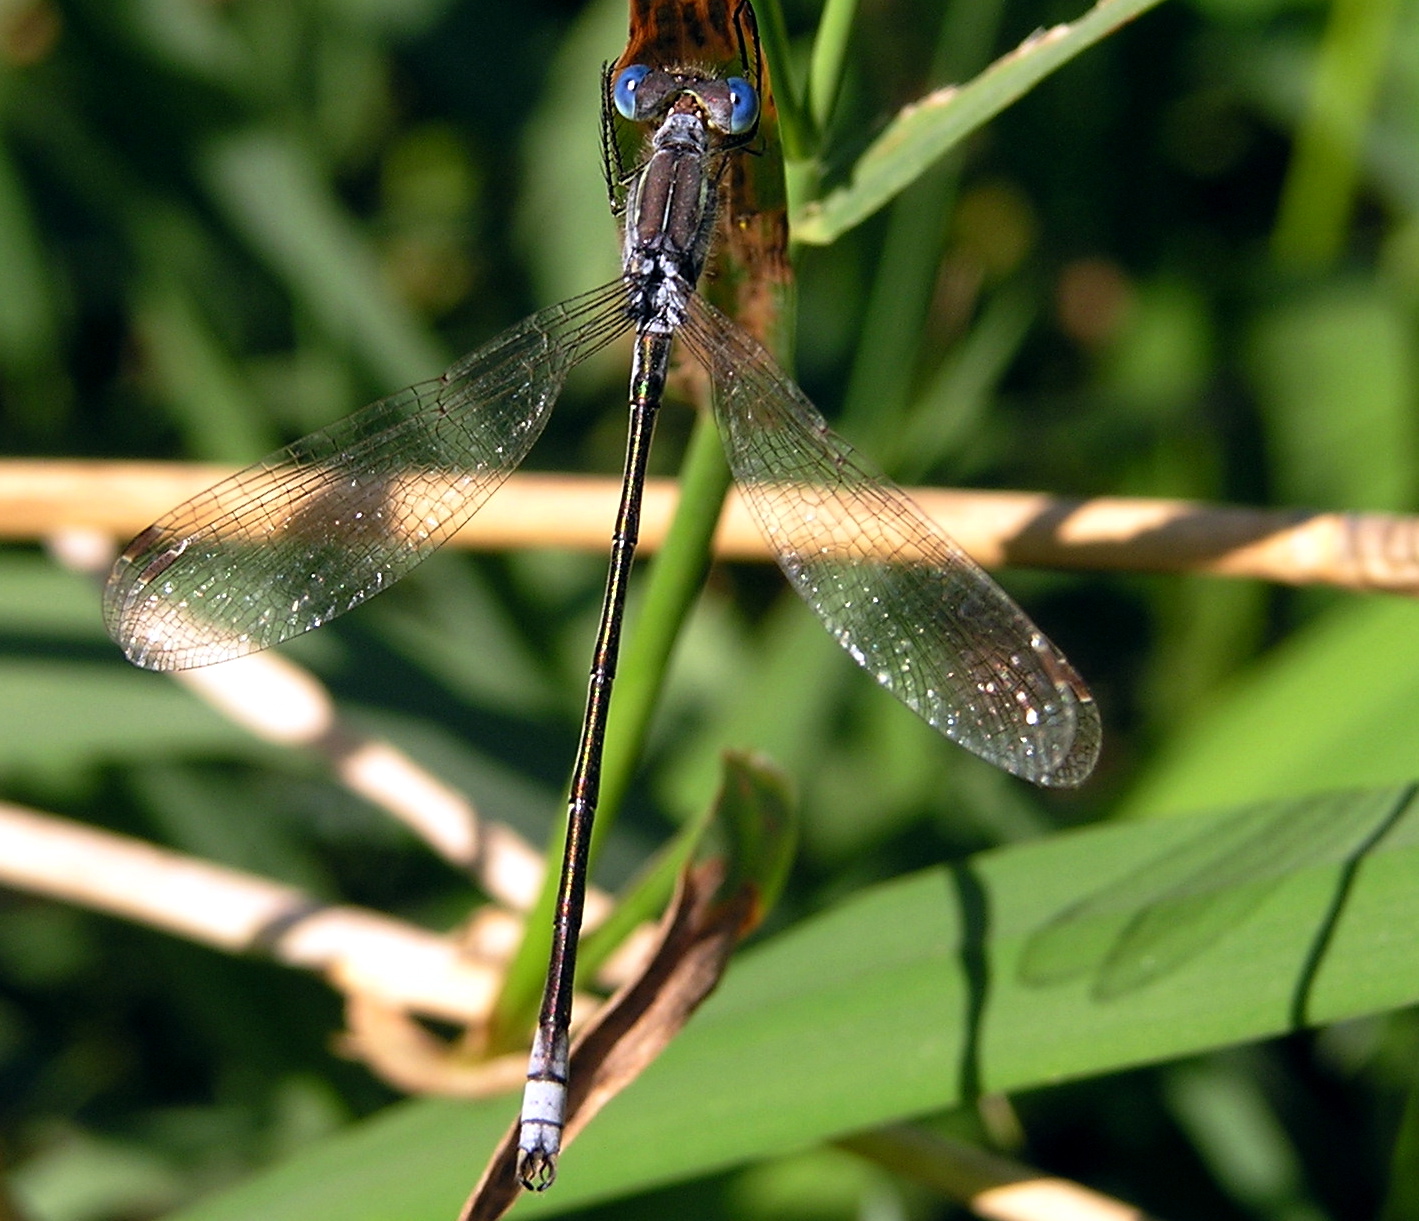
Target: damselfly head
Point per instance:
(645, 95)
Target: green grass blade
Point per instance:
(922, 132)
(1319, 194)
(825, 71)
(795, 124)
(268, 189)
(196, 375)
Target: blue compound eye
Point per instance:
(624, 94)
(743, 105)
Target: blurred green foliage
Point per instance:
(1185, 264)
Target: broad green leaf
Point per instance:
(64, 715)
(40, 600)
(923, 131)
(907, 997)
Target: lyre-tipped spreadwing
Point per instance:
(316, 528)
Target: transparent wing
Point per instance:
(904, 600)
(318, 527)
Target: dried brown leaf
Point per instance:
(698, 933)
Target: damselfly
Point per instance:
(320, 526)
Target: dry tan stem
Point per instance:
(410, 1058)
(989, 1185)
(356, 949)
(278, 701)
(1356, 550)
